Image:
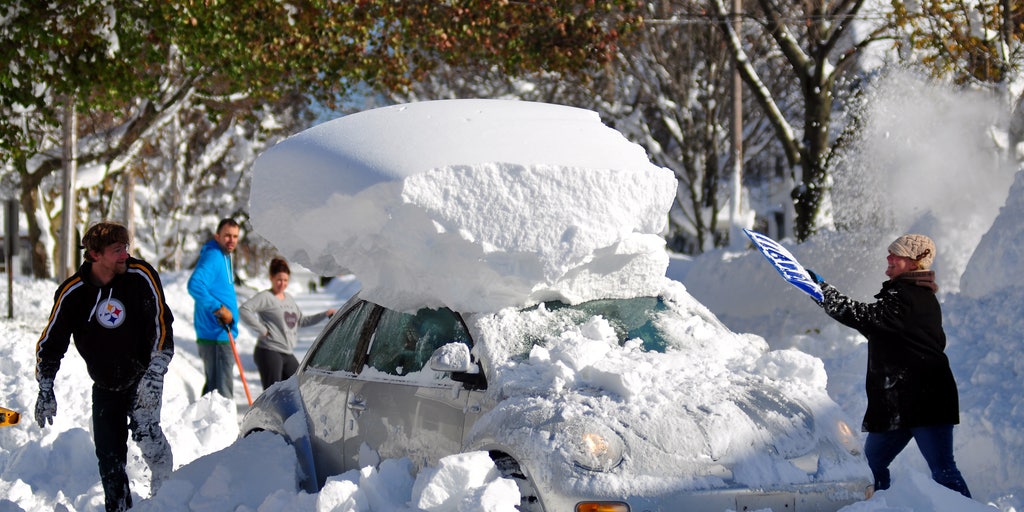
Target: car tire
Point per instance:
(509, 468)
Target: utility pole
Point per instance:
(736, 238)
(1007, 30)
(11, 240)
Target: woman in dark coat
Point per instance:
(910, 387)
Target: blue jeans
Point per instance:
(218, 364)
(936, 445)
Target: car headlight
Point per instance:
(593, 446)
(847, 437)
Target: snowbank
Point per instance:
(998, 261)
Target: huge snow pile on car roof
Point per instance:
(472, 204)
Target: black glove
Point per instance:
(46, 403)
(814, 277)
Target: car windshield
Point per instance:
(632, 319)
(400, 343)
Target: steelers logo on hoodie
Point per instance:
(111, 314)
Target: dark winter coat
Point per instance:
(116, 327)
(909, 382)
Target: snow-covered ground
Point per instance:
(55, 469)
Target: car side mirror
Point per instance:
(452, 357)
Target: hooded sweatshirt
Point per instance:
(212, 285)
(116, 327)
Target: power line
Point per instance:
(708, 19)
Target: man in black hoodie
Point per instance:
(114, 308)
(910, 386)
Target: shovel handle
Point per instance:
(238, 360)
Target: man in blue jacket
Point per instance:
(212, 286)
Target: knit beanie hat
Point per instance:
(916, 247)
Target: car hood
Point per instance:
(716, 409)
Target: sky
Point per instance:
(55, 469)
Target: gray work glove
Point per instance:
(145, 421)
(46, 403)
(150, 392)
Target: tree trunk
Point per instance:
(812, 186)
(30, 205)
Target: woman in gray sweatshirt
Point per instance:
(275, 315)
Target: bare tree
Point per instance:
(667, 90)
(814, 40)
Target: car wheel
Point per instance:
(509, 468)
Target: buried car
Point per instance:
(514, 302)
(636, 404)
